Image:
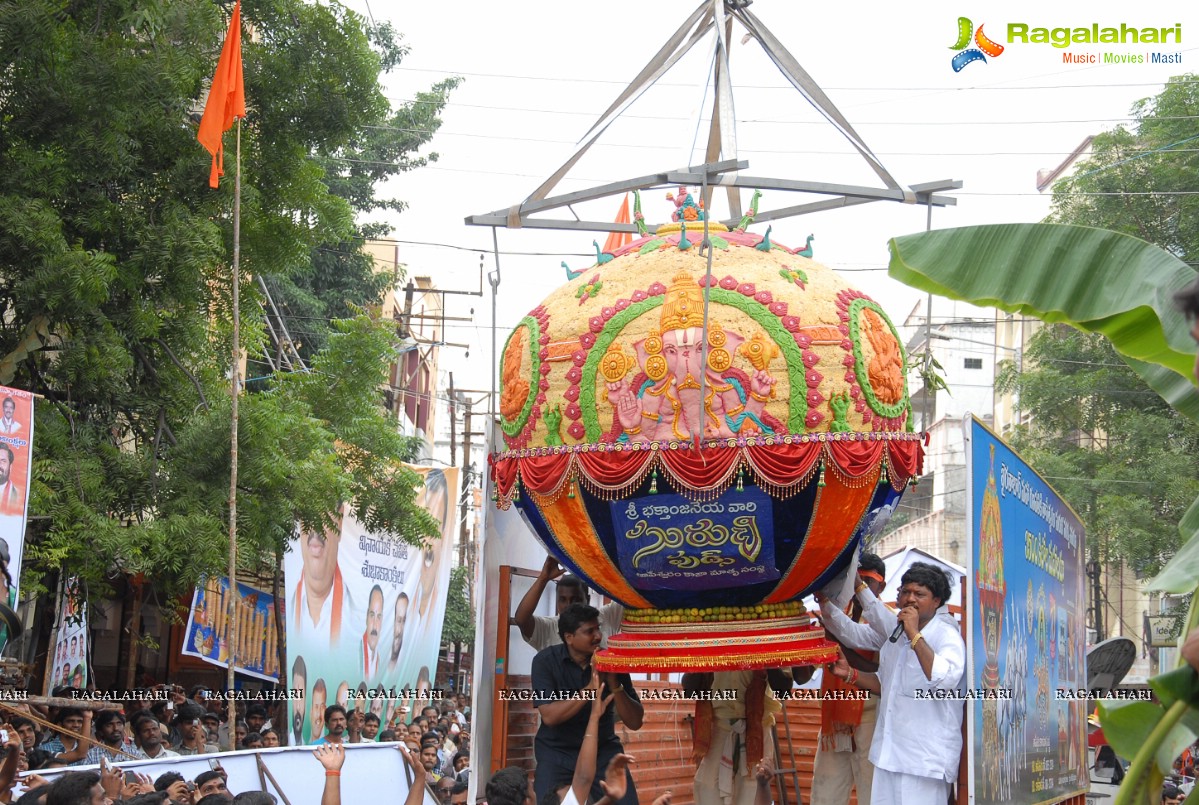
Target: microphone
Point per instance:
(898, 631)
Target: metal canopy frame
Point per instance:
(717, 16)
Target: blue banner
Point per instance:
(1028, 745)
(208, 629)
(666, 542)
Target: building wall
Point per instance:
(416, 308)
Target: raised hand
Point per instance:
(616, 781)
(331, 756)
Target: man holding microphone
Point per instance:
(918, 738)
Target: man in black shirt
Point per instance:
(559, 675)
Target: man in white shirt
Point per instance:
(398, 623)
(9, 425)
(12, 497)
(370, 636)
(541, 632)
(321, 601)
(917, 741)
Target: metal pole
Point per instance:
(702, 346)
(234, 391)
(494, 281)
(928, 336)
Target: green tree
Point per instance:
(114, 278)
(1142, 179)
(1125, 461)
(459, 628)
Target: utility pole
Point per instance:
(453, 425)
(464, 529)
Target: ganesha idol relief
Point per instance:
(649, 346)
(662, 402)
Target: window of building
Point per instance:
(974, 363)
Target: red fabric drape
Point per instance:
(613, 470)
(855, 459)
(785, 464)
(503, 472)
(700, 469)
(544, 474)
(905, 460)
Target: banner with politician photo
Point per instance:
(1027, 743)
(208, 629)
(16, 464)
(365, 611)
(70, 655)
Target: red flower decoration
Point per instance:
(571, 393)
(847, 345)
(545, 339)
(540, 400)
(576, 430)
(579, 357)
(573, 411)
(804, 340)
(639, 296)
(728, 283)
(544, 385)
(596, 324)
(813, 377)
(778, 308)
(656, 289)
(587, 340)
(608, 313)
(544, 354)
(764, 297)
(813, 419)
(746, 289)
(791, 323)
(844, 328)
(545, 368)
(850, 376)
(621, 304)
(574, 374)
(810, 358)
(815, 398)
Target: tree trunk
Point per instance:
(281, 642)
(135, 630)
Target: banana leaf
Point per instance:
(1094, 279)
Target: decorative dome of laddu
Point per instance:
(705, 447)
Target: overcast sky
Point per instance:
(538, 73)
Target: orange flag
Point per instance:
(617, 239)
(226, 98)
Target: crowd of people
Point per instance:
(168, 722)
